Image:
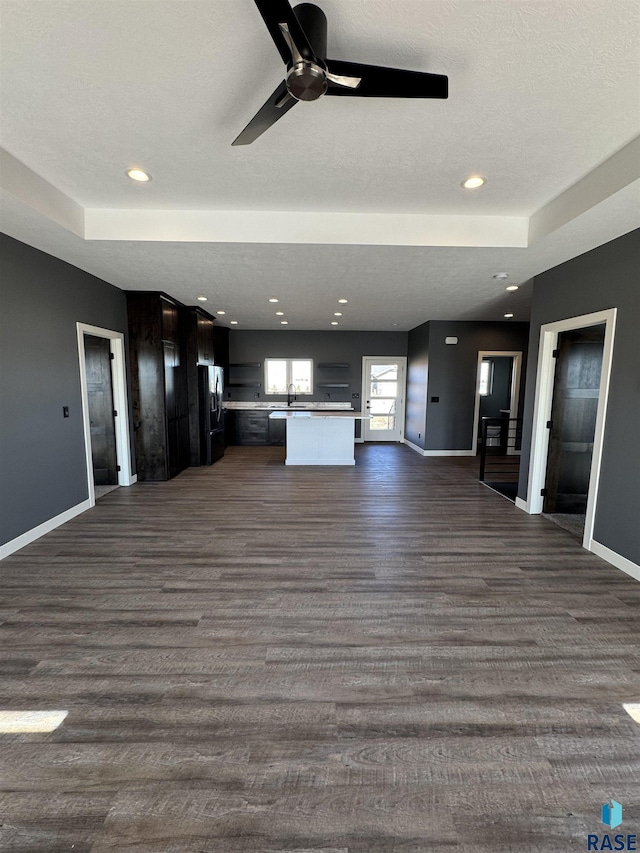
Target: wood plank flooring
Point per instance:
(389, 658)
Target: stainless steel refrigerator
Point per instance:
(211, 381)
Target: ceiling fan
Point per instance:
(300, 34)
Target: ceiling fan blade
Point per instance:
(278, 104)
(350, 82)
(276, 12)
(379, 82)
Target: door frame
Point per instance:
(402, 360)
(516, 369)
(119, 383)
(545, 382)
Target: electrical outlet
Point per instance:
(355, 396)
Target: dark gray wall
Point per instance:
(333, 346)
(347, 347)
(42, 456)
(452, 373)
(607, 277)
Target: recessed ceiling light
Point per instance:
(233, 322)
(394, 324)
(512, 287)
(273, 299)
(221, 312)
(500, 276)
(284, 322)
(279, 313)
(508, 315)
(138, 175)
(334, 322)
(201, 298)
(343, 301)
(337, 313)
(473, 182)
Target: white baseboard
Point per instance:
(615, 559)
(132, 479)
(359, 440)
(523, 505)
(414, 447)
(449, 452)
(332, 462)
(46, 527)
(438, 452)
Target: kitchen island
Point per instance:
(319, 438)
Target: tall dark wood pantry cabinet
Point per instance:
(159, 385)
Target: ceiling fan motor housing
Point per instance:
(307, 81)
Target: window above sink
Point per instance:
(283, 375)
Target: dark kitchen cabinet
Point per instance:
(204, 337)
(277, 430)
(158, 385)
(254, 427)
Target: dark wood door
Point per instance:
(97, 359)
(573, 419)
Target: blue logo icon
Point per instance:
(612, 814)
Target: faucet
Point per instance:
(291, 394)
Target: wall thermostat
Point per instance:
(451, 340)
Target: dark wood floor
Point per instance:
(375, 659)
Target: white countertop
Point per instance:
(261, 405)
(290, 414)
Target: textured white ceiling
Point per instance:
(541, 93)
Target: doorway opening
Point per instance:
(104, 410)
(496, 426)
(383, 396)
(572, 388)
(498, 374)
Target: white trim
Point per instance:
(542, 412)
(516, 368)
(523, 505)
(414, 447)
(332, 462)
(401, 360)
(119, 380)
(438, 452)
(449, 453)
(46, 527)
(615, 559)
(132, 480)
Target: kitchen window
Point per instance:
(282, 373)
